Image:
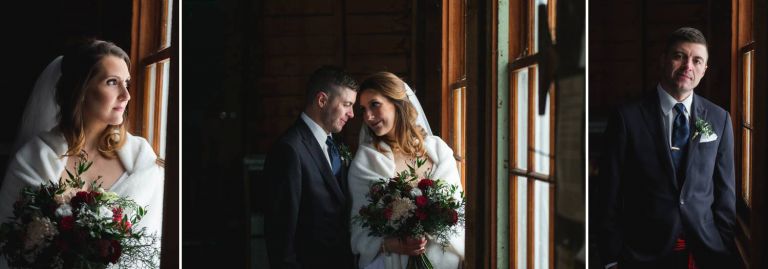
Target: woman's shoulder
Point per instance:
(48, 142)
(137, 152)
(436, 143)
(136, 142)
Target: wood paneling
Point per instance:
(293, 38)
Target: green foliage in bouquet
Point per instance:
(412, 206)
(55, 227)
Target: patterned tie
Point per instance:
(680, 133)
(333, 153)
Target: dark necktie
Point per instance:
(680, 133)
(333, 153)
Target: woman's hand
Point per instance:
(407, 246)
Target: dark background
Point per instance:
(626, 40)
(245, 68)
(35, 33)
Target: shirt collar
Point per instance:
(668, 102)
(317, 131)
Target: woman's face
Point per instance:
(378, 113)
(107, 93)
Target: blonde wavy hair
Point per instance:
(408, 136)
(79, 65)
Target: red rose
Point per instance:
(420, 214)
(454, 216)
(109, 250)
(426, 183)
(82, 197)
(388, 213)
(67, 223)
(422, 201)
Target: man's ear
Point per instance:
(321, 99)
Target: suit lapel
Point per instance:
(320, 161)
(693, 147)
(654, 123)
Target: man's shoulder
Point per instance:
(636, 105)
(710, 106)
(288, 138)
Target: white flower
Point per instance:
(64, 210)
(38, 230)
(104, 213)
(416, 192)
(401, 208)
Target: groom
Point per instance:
(308, 204)
(666, 190)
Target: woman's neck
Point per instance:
(92, 135)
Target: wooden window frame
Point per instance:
(149, 46)
(521, 47)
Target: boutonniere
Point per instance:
(346, 155)
(703, 128)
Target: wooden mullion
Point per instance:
(159, 68)
(145, 111)
(524, 62)
(156, 56)
(532, 175)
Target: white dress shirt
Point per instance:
(320, 134)
(667, 103)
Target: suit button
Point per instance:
(682, 202)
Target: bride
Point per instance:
(77, 109)
(394, 134)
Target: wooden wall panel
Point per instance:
(293, 38)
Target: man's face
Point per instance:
(683, 66)
(337, 109)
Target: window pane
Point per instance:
(149, 103)
(163, 109)
(521, 112)
(536, 24)
(458, 120)
(521, 211)
(542, 132)
(746, 181)
(168, 24)
(747, 82)
(541, 224)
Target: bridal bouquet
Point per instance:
(55, 226)
(412, 206)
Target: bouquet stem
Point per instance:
(419, 262)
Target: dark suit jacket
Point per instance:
(307, 210)
(643, 209)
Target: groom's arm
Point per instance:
(610, 237)
(724, 205)
(283, 172)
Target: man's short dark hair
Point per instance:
(328, 79)
(685, 34)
